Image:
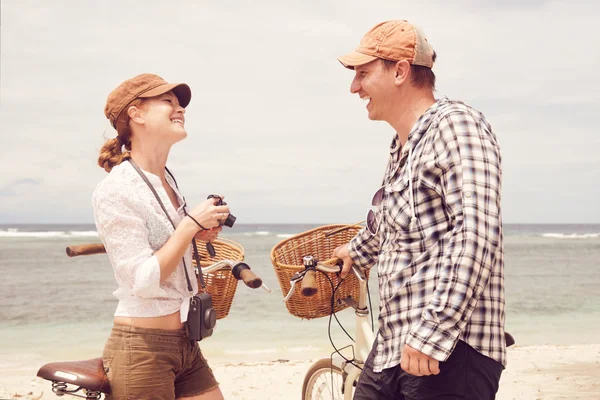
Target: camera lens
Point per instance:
(229, 221)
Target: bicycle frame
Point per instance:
(364, 337)
(364, 334)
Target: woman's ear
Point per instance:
(136, 115)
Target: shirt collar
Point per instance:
(417, 131)
(395, 146)
(157, 184)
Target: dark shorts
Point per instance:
(154, 363)
(467, 374)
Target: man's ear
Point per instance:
(402, 72)
(135, 115)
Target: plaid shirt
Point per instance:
(439, 248)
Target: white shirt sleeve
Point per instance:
(125, 236)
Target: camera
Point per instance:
(202, 317)
(230, 220)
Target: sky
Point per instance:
(272, 124)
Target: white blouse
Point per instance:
(133, 226)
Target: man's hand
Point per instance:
(343, 254)
(416, 363)
(209, 235)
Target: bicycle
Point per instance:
(88, 376)
(336, 377)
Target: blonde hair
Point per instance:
(112, 152)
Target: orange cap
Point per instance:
(394, 41)
(142, 86)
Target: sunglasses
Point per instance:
(373, 220)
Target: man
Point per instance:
(434, 231)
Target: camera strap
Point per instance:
(198, 269)
(196, 256)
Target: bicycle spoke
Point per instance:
(327, 389)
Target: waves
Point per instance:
(68, 234)
(258, 233)
(16, 233)
(87, 231)
(267, 233)
(571, 235)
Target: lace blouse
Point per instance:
(133, 226)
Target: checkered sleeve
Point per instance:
(364, 248)
(468, 160)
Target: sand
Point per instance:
(533, 373)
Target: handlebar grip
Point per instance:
(309, 283)
(250, 279)
(85, 249)
(242, 271)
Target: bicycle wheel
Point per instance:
(323, 381)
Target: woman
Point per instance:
(149, 354)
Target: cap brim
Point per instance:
(181, 90)
(354, 59)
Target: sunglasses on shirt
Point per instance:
(374, 215)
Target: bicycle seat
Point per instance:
(510, 340)
(88, 374)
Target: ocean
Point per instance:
(53, 307)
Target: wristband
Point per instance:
(197, 223)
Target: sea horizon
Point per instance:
(284, 230)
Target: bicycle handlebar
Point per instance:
(240, 270)
(251, 279)
(309, 280)
(243, 272)
(85, 249)
(309, 283)
(308, 277)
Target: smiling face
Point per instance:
(164, 115)
(375, 84)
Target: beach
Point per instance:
(533, 373)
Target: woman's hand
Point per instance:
(208, 214)
(209, 235)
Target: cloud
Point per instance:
(14, 188)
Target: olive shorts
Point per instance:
(154, 364)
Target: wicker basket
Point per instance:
(287, 260)
(220, 284)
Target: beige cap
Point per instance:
(394, 41)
